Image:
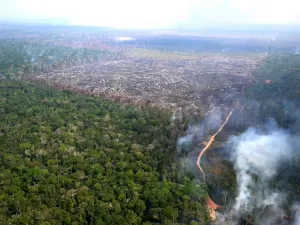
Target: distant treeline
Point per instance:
(275, 92)
(18, 58)
(223, 45)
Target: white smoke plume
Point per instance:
(297, 215)
(257, 155)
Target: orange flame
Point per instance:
(212, 207)
(268, 81)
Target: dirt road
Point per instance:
(212, 207)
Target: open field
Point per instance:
(185, 55)
(190, 85)
(164, 55)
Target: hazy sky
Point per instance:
(154, 13)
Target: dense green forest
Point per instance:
(275, 92)
(276, 66)
(68, 158)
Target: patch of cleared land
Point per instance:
(163, 55)
(179, 55)
(191, 85)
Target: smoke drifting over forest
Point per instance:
(259, 155)
(264, 158)
(198, 132)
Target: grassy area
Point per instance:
(163, 55)
(180, 55)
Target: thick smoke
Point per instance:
(257, 154)
(297, 215)
(296, 208)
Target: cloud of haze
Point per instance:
(154, 13)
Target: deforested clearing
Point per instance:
(191, 85)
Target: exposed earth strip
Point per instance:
(212, 207)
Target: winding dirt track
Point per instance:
(210, 204)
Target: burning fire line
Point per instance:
(211, 205)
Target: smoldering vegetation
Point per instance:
(252, 168)
(197, 133)
(266, 160)
(217, 167)
(254, 174)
